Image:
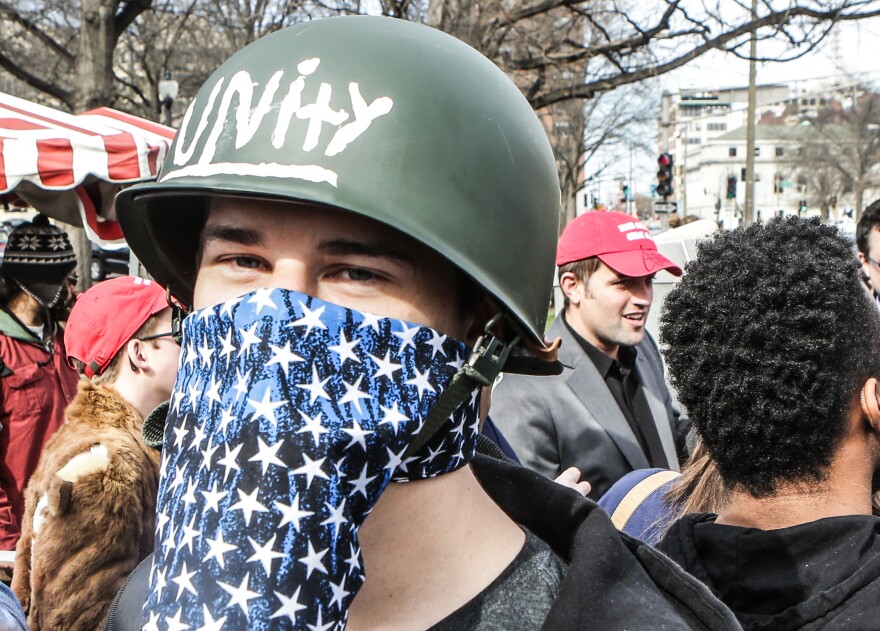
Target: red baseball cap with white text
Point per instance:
(620, 241)
(106, 316)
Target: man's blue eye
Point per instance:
(247, 262)
(355, 273)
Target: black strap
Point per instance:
(532, 366)
(485, 362)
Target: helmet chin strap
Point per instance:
(483, 365)
(489, 357)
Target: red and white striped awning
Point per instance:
(44, 152)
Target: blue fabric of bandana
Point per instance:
(289, 418)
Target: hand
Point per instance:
(570, 478)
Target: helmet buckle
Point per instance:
(490, 353)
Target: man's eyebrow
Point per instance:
(232, 234)
(342, 247)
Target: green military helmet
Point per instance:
(389, 119)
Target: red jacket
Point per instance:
(32, 403)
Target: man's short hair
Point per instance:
(110, 373)
(583, 269)
(870, 220)
(769, 337)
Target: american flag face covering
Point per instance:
(289, 418)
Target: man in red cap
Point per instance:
(90, 506)
(610, 411)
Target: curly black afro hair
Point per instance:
(769, 336)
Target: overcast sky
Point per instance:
(858, 44)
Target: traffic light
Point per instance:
(626, 192)
(664, 175)
(731, 187)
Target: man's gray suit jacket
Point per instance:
(572, 419)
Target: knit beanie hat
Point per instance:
(38, 258)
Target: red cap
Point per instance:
(620, 241)
(106, 316)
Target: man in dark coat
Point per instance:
(773, 347)
(609, 412)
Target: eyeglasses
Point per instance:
(872, 261)
(176, 332)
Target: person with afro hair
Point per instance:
(773, 346)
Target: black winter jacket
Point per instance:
(820, 575)
(613, 581)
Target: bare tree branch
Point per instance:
(590, 88)
(128, 14)
(50, 88)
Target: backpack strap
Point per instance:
(638, 494)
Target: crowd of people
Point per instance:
(334, 405)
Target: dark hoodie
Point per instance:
(820, 575)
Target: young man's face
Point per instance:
(610, 309)
(871, 263)
(332, 255)
(165, 354)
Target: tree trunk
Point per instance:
(94, 88)
(94, 67)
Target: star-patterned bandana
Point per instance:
(289, 418)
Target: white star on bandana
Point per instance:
(290, 416)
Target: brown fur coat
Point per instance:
(89, 514)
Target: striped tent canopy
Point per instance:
(70, 167)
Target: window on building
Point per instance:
(731, 152)
(693, 141)
(780, 151)
(743, 175)
(717, 126)
(757, 151)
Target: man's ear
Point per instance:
(870, 404)
(572, 287)
(136, 357)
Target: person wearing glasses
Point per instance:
(868, 243)
(90, 505)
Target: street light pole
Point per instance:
(749, 212)
(631, 191)
(167, 90)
